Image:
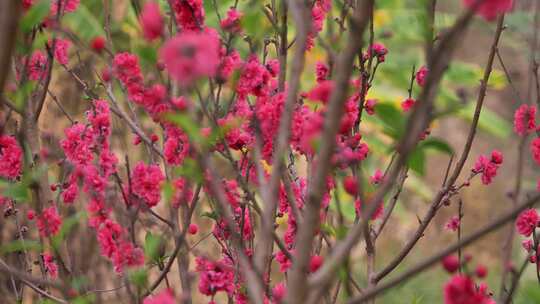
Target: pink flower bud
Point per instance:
(350, 185)
(98, 44)
(30, 215)
(151, 21)
(450, 263)
(481, 271)
(315, 263)
(193, 228)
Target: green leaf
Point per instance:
(168, 191)
(344, 274)
(414, 31)
(464, 74)
(389, 4)
(347, 205)
(35, 15)
(497, 80)
(86, 299)
(217, 134)
(437, 144)
(187, 124)
(255, 23)
(23, 94)
(20, 245)
(392, 119)
(190, 170)
(213, 215)
(148, 55)
(424, 21)
(341, 232)
(418, 186)
(67, 225)
(448, 101)
(417, 299)
(375, 144)
(489, 121)
(417, 160)
(211, 17)
(79, 282)
(139, 277)
(151, 247)
(530, 292)
(18, 192)
(328, 229)
(84, 23)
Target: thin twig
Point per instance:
(459, 166)
(297, 290)
(263, 251)
(432, 260)
(417, 123)
(43, 292)
(515, 281)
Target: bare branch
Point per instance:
(297, 280)
(29, 278)
(428, 262)
(302, 15)
(450, 183)
(10, 11)
(416, 125)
